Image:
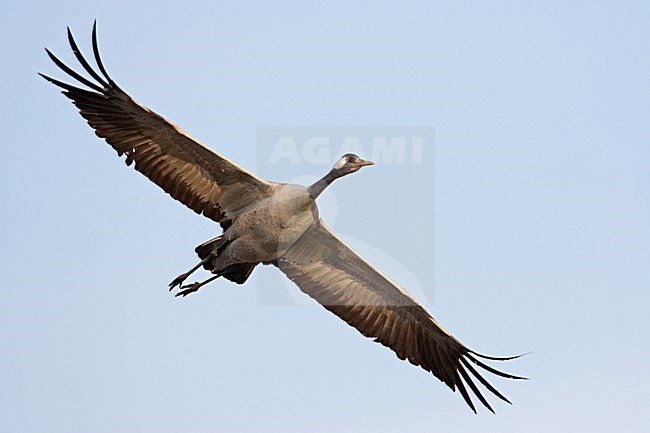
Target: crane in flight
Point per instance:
(272, 223)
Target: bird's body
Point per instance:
(264, 232)
(272, 223)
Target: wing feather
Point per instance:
(380, 309)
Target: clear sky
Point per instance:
(524, 226)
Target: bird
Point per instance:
(275, 224)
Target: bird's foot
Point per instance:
(190, 288)
(178, 281)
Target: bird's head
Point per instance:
(349, 163)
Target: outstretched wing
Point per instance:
(191, 173)
(334, 275)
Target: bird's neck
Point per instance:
(317, 188)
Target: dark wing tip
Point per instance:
(492, 369)
(463, 392)
(49, 53)
(474, 388)
(499, 358)
(82, 60)
(45, 76)
(98, 59)
(58, 83)
(101, 86)
(464, 382)
(483, 381)
(72, 73)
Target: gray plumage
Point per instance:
(272, 223)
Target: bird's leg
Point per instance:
(179, 280)
(191, 288)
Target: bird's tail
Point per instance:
(236, 273)
(206, 248)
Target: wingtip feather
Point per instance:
(98, 59)
(499, 358)
(80, 58)
(65, 68)
(474, 388)
(493, 370)
(484, 381)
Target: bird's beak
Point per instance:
(364, 162)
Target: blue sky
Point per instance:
(526, 227)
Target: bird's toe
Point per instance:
(177, 281)
(187, 289)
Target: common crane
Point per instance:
(272, 223)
